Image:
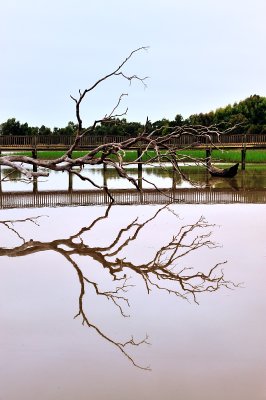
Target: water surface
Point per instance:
(252, 178)
(211, 350)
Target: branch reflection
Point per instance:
(161, 271)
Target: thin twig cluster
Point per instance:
(165, 145)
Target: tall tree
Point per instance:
(11, 127)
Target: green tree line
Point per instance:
(249, 115)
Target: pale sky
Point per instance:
(203, 54)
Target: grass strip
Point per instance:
(228, 156)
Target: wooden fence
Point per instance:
(129, 197)
(87, 142)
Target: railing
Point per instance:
(33, 142)
(46, 142)
(129, 197)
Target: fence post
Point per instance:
(208, 157)
(104, 175)
(243, 152)
(243, 159)
(35, 183)
(139, 152)
(70, 182)
(34, 155)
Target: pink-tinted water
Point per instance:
(212, 351)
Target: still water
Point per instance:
(253, 178)
(77, 283)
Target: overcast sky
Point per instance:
(203, 54)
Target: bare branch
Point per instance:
(112, 114)
(164, 141)
(10, 224)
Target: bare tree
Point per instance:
(165, 145)
(160, 272)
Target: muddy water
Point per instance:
(63, 264)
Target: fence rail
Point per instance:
(87, 142)
(129, 197)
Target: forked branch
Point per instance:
(165, 141)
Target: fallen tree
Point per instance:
(164, 141)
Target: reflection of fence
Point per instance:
(87, 142)
(148, 196)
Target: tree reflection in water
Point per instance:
(160, 272)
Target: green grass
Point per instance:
(252, 156)
(49, 155)
(131, 155)
(230, 156)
